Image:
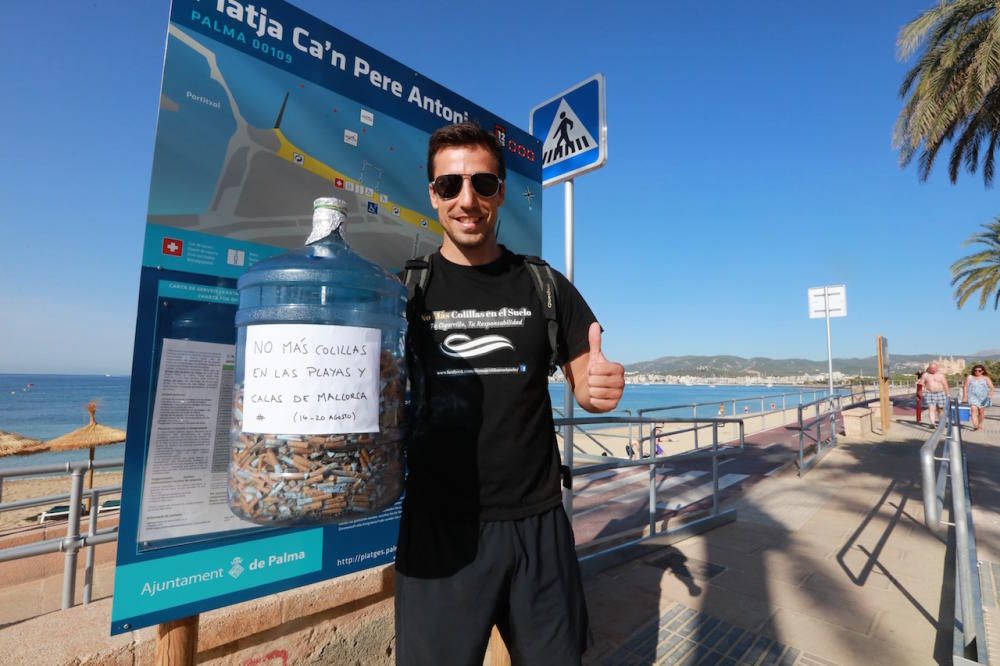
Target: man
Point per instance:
(935, 392)
(483, 539)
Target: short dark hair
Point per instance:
(464, 134)
(981, 367)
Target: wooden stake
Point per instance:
(496, 652)
(177, 642)
(885, 405)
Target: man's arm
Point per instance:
(597, 382)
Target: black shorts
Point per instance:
(524, 578)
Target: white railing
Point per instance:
(74, 541)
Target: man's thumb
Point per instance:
(594, 334)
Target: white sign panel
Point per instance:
(311, 379)
(834, 297)
(186, 481)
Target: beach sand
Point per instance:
(19, 489)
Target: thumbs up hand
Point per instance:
(605, 379)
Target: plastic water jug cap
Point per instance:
(328, 214)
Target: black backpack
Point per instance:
(417, 274)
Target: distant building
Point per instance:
(950, 365)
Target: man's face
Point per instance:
(469, 220)
(932, 368)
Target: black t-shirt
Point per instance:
(483, 445)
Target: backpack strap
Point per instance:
(545, 287)
(416, 274)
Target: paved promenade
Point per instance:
(832, 568)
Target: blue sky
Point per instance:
(750, 158)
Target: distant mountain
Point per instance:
(737, 366)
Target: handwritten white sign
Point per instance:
(311, 379)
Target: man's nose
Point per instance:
(467, 196)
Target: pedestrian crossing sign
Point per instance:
(573, 130)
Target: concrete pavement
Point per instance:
(832, 568)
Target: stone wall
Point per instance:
(347, 620)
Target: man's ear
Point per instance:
(433, 195)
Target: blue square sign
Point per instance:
(573, 130)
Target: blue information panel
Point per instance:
(263, 109)
(572, 127)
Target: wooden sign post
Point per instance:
(177, 642)
(885, 405)
(496, 651)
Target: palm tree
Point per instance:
(952, 93)
(980, 271)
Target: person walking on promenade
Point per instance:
(978, 392)
(483, 538)
(920, 394)
(935, 392)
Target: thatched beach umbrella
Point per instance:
(13, 444)
(89, 437)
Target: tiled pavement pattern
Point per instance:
(685, 637)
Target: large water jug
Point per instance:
(319, 383)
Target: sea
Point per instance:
(44, 406)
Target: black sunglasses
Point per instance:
(449, 185)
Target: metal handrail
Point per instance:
(582, 431)
(934, 490)
(833, 402)
(65, 468)
(685, 405)
(608, 557)
(969, 643)
(74, 541)
(762, 413)
(49, 499)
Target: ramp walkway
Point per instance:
(832, 568)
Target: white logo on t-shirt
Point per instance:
(459, 345)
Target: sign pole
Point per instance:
(177, 642)
(829, 346)
(568, 430)
(573, 131)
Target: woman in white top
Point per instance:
(978, 393)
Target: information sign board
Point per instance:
(833, 297)
(572, 127)
(264, 108)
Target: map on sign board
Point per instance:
(832, 297)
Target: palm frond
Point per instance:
(979, 272)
